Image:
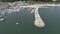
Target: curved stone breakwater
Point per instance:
(38, 21)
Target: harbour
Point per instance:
(50, 16)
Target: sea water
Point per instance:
(50, 16)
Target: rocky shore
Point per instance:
(11, 4)
(9, 7)
(3, 5)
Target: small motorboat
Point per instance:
(17, 23)
(2, 19)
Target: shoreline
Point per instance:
(4, 5)
(16, 6)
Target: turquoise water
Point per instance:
(51, 17)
